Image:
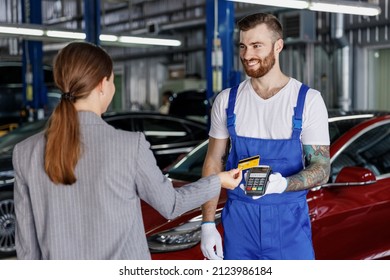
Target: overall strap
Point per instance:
(231, 117)
(298, 111)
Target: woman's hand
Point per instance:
(230, 179)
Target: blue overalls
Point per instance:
(276, 226)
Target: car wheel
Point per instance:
(7, 225)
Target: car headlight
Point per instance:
(178, 238)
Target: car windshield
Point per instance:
(8, 141)
(190, 167)
(338, 125)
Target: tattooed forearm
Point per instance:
(316, 172)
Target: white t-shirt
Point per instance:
(272, 118)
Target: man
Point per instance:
(285, 123)
(166, 102)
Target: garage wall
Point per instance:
(370, 41)
(379, 82)
(143, 79)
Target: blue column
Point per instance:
(92, 20)
(225, 33)
(34, 89)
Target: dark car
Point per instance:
(191, 104)
(349, 214)
(169, 137)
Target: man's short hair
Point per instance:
(271, 21)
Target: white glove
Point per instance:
(276, 184)
(211, 238)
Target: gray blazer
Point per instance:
(98, 217)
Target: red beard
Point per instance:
(265, 65)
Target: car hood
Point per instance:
(153, 221)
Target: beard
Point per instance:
(265, 65)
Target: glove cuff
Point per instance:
(208, 226)
(283, 185)
(207, 222)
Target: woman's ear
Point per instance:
(101, 85)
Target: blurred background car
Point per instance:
(169, 137)
(349, 214)
(191, 103)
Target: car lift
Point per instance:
(220, 25)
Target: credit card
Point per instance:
(250, 162)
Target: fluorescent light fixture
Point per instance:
(346, 7)
(66, 34)
(40, 33)
(293, 4)
(21, 31)
(342, 7)
(149, 41)
(108, 38)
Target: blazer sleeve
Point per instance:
(26, 243)
(156, 189)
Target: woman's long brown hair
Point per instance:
(78, 69)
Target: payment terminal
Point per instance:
(257, 179)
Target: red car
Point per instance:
(349, 215)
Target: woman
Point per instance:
(78, 185)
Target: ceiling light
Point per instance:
(39, 33)
(346, 7)
(293, 4)
(21, 31)
(108, 38)
(66, 34)
(342, 7)
(149, 41)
